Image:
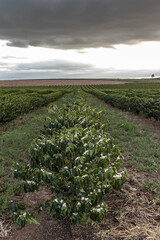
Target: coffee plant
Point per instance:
(142, 101)
(18, 103)
(75, 158)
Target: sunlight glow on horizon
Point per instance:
(144, 55)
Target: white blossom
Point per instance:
(75, 214)
(84, 176)
(101, 140)
(85, 152)
(118, 176)
(30, 182)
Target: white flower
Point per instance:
(118, 176)
(78, 204)
(56, 200)
(61, 201)
(106, 170)
(82, 198)
(75, 214)
(64, 205)
(30, 182)
(66, 167)
(25, 214)
(85, 152)
(99, 190)
(84, 176)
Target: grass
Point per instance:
(15, 140)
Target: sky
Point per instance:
(79, 38)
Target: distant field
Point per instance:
(49, 82)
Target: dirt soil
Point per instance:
(54, 82)
(133, 213)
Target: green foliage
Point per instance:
(16, 102)
(20, 215)
(74, 158)
(15, 140)
(145, 102)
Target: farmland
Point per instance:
(14, 102)
(144, 101)
(58, 82)
(81, 126)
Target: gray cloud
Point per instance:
(54, 65)
(12, 57)
(64, 69)
(73, 24)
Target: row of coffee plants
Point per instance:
(76, 159)
(131, 84)
(22, 101)
(146, 102)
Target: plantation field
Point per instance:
(95, 167)
(17, 101)
(58, 82)
(140, 98)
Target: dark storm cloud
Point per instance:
(78, 23)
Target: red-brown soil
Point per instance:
(54, 82)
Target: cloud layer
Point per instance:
(73, 24)
(63, 69)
